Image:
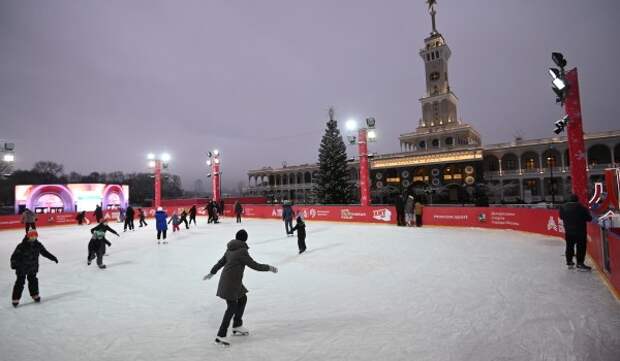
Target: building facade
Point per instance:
(444, 160)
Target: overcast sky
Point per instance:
(95, 85)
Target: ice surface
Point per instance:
(361, 292)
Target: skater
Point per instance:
(418, 213)
(121, 215)
(29, 219)
(25, 262)
(216, 217)
(409, 204)
(81, 218)
(287, 217)
(209, 209)
(238, 210)
(98, 214)
(142, 217)
(230, 286)
(400, 210)
(184, 218)
(98, 242)
(575, 217)
(220, 208)
(175, 222)
(300, 227)
(129, 217)
(161, 224)
(192, 214)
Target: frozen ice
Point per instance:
(360, 292)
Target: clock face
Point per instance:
(434, 75)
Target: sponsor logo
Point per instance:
(482, 217)
(346, 214)
(557, 226)
(382, 215)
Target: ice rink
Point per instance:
(361, 292)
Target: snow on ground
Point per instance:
(361, 292)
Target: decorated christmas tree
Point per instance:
(333, 183)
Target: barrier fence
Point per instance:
(603, 246)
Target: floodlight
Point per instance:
(165, 157)
(370, 122)
(9, 146)
(561, 124)
(558, 59)
(217, 161)
(558, 82)
(372, 135)
(208, 161)
(352, 139)
(150, 156)
(351, 124)
(209, 154)
(216, 152)
(9, 158)
(151, 164)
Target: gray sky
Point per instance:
(95, 85)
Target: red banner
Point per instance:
(354, 213)
(543, 221)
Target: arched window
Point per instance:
(510, 162)
(300, 178)
(529, 161)
(307, 177)
(435, 143)
(449, 140)
(599, 154)
(491, 163)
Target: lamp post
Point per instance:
(8, 158)
(157, 163)
(551, 180)
(214, 162)
(364, 135)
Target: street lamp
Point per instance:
(157, 163)
(214, 162)
(364, 135)
(550, 164)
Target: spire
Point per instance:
(431, 10)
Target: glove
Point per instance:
(56, 260)
(273, 269)
(207, 276)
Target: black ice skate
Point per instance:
(102, 266)
(15, 303)
(36, 299)
(570, 265)
(583, 267)
(240, 331)
(222, 341)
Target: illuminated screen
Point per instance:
(45, 198)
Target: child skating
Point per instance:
(98, 242)
(25, 262)
(300, 227)
(230, 286)
(175, 220)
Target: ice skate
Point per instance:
(102, 266)
(584, 268)
(570, 265)
(222, 341)
(15, 303)
(37, 299)
(240, 331)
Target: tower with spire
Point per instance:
(439, 104)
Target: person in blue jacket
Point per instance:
(161, 224)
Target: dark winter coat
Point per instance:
(575, 217)
(192, 212)
(141, 213)
(300, 227)
(25, 258)
(238, 208)
(104, 228)
(160, 221)
(287, 212)
(129, 214)
(234, 261)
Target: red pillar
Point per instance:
(364, 176)
(216, 185)
(576, 146)
(157, 183)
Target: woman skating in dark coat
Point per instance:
(231, 288)
(25, 262)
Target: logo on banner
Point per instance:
(382, 215)
(312, 212)
(557, 226)
(482, 217)
(346, 214)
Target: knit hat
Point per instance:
(160, 209)
(32, 234)
(242, 235)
